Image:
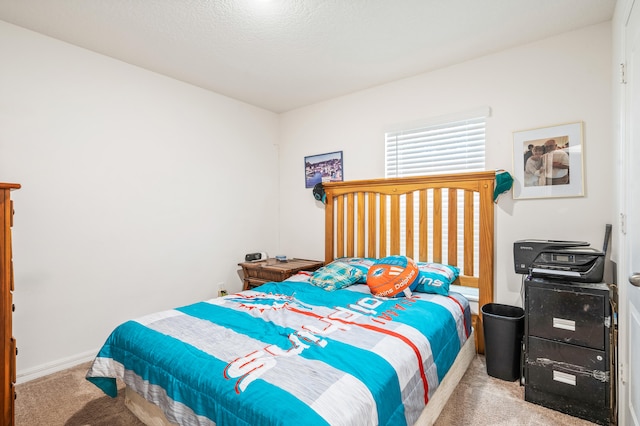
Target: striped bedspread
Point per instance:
(289, 354)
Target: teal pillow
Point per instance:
(335, 276)
(362, 263)
(435, 278)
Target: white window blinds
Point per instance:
(446, 147)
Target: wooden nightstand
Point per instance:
(264, 271)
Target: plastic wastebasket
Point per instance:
(503, 327)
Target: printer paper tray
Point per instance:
(544, 271)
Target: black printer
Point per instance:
(560, 260)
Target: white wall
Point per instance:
(139, 193)
(555, 81)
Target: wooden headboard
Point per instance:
(452, 222)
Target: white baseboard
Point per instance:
(29, 374)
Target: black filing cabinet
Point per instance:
(569, 348)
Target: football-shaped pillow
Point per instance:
(392, 275)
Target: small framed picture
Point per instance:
(323, 168)
(547, 162)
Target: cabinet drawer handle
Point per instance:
(561, 377)
(564, 324)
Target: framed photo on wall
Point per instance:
(323, 168)
(547, 162)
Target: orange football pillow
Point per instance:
(392, 275)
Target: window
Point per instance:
(452, 144)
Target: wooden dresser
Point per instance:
(8, 364)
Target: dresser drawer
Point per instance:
(567, 315)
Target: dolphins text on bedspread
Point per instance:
(248, 368)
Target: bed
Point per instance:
(295, 353)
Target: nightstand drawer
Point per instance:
(254, 282)
(569, 316)
(263, 271)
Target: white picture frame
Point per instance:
(554, 171)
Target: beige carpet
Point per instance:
(67, 399)
(481, 400)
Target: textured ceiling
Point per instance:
(284, 54)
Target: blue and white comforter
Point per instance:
(289, 354)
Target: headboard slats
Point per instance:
(361, 224)
(350, 226)
(423, 230)
(469, 230)
(372, 235)
(340, 226)
(395, 224)
(452, 229)
(379, 220)
(437, 225)
(409, 231)
(382, 249)
(485, 284)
